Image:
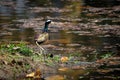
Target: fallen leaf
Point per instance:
(31, 75)
(36, 74)
(64, 59)
(16, 48)
(77, 67)
(104, 71)
(63, 69)
(55, 77)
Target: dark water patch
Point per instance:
(109, 45)
(108, 22)
(102, 3)
(84, 42)
(93, 12)
(39, 3)
(45, 3)
(18, 35)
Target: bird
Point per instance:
(43, 37)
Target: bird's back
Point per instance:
(41, 37)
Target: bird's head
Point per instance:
(47, 22)
(46, 25)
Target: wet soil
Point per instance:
(16, 66)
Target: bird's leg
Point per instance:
(42, 50)
(39, 47)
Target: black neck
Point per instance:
(45, 28)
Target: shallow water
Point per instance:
(11, 11)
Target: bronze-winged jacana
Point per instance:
(43, 37)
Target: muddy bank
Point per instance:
(17, 66)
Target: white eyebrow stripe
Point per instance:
(48, 20)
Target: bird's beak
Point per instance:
(52, 23)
